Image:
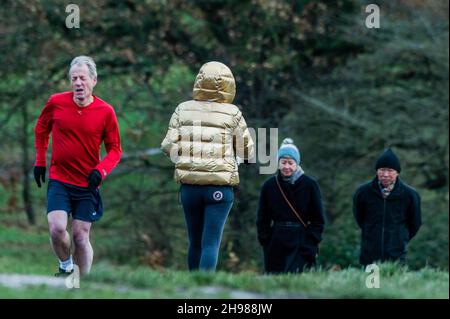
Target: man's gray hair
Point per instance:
(83, 59)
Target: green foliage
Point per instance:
(385, 96)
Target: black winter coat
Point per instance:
(288, 245)
(387, 225)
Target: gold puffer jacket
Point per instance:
(206, 134)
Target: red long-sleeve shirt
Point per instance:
(77, 134)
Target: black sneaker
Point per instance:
(62, 273)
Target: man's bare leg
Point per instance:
(59, 237)
(84, 253)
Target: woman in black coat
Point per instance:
(290, 219)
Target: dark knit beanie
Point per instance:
(388, 160)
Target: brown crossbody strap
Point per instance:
(295, 212)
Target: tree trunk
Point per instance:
(27, 202)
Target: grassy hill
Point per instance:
(26, 250)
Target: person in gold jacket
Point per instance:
(206, 139)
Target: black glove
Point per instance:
(94, 179)
(39, 173)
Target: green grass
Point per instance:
(395, 282)
(26, 250)
(108, 281)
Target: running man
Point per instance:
(78, 122)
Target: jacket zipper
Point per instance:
(382, 229)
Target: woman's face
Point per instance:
(287, 166)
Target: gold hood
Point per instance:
(214, 82)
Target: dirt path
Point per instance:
(19, 281)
